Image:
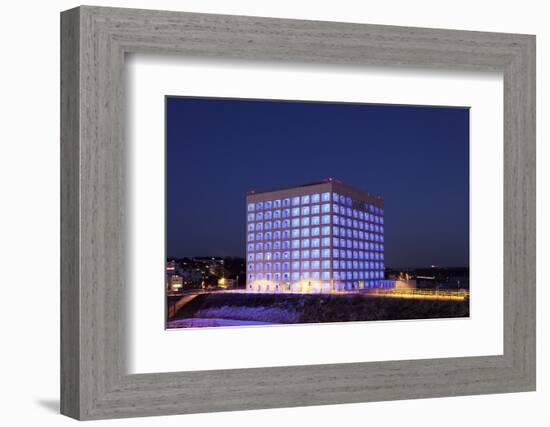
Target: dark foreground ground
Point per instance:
(226, 309)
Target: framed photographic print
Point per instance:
(303, 212)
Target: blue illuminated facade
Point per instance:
(320, 237)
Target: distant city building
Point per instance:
(175, 283)
(318, 237)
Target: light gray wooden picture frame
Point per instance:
(94, 381)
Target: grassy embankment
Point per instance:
(317, 308)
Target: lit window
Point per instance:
(286, 213)
(305, 243)
(250, 227)
(325, 275)
(259, 236)
(250, 277)
(305, 254)
(259, 206)
(305, 210)
(268, 205)
(305, 200)
(335, 208)
(295, 222)
(267, 235)
(267, 266)
(325, 264)
(335, 219)
(315, 264)
(305, 221)
(286, 202)
(267, 215)
(315, 275)
(250, 237)
(315, 231)
(305, 275)
(305, 232)
(250, 257)
(276, 235)
(315, 220)
(336, 241)
(277, 214)
(286, 255)
(296, 265)
(315, 243)
(295, 254)
(325, 197)
(348, 211)
(295, 275)
(335, 197)
(250, 267)
(315, 253)
(295, 244)
(277, 204)
(315, 198)
(286, 223)
(295, 232)
(325, 253)
(295, 201)
(295, 211)
(336, 231)
(250, 207)
(286, 234)
(276, 255)
(277, 224)
(342, 200)
(259, 246)
(250, 217)
(305, 265)
(326, 231)
(325, 219)
(259, 256)
(259, 216)
(259, 226)
(286, 266)
(336, 253)
(267, 246)
(267, 225)
(335, 264)
(258, 266)
(348, 201)
(325, 208)
(315, 209)
(286, 244)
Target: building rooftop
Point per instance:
(329, 180)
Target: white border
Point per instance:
(152, 349)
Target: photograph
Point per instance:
(284, 212)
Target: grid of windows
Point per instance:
(331, 242)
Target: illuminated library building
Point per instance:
(319, 237)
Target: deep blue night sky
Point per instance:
(417, 158)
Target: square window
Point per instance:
(305, 221)
(315, 209)
(295, 244)
(259, 206)
(295, 254)
(325, 219)
(268, 205)
(305, 254)
(305, 210)
(315, 264)
(295, 201)
(296, 265)
(325, 197)
(250, 207)
(315, 198)
(305, 200)
(315, 253)
(325, 253)
(315, 243)
(305, 232)
(325, 208)
(286, 202)
(295, 211)
(250, 217)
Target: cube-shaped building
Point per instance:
(319, 237)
